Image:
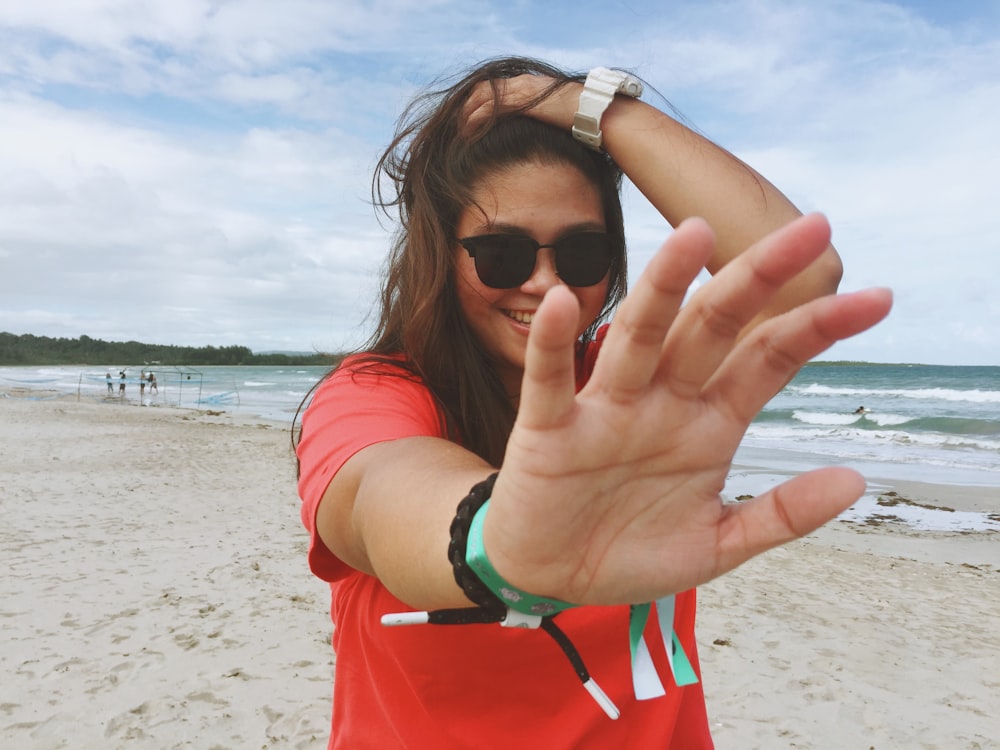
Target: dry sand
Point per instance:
(156, 595)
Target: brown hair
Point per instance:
(425, 178)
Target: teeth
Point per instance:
(520, 316)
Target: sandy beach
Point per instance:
(156, 595)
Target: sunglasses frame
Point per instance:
(563, 245)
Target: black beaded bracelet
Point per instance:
(465, 577)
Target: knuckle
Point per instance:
(719, 321)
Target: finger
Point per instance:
(501, 95)
(786, 512)
(632, 350)
(477, 107)
(711, 322)
(548, 387)
(764, 362)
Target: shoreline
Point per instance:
(158, 596)
(919, 505)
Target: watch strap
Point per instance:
(599, 91)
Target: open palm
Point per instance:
(611, 495)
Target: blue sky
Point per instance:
(197, 172)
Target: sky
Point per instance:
(198, 172)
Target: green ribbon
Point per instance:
(645, 680)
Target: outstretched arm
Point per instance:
(612, 495)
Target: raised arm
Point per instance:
(685, 175)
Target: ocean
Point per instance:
(937, 424)
(924, 423)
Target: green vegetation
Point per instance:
(42, 350)
(855, 363)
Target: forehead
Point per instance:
(535, 196)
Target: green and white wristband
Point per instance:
(515, 598)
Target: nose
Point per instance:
(544, 277)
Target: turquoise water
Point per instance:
(926, 423)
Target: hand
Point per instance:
(555, 106)
(611, 495)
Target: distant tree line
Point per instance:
(42, 350)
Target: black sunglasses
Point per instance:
(505, 261)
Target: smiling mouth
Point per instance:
(520, 316)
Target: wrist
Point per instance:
(512, 596)
(558, 103)
(474, 572)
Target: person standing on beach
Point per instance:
(107, 379)
(152, 384)
(595, 454)
(121, 384)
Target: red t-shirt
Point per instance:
(470, 686)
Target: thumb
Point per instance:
(548, 386)
(789, 511)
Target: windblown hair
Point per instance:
(425, 179)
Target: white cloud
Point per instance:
(198, 172)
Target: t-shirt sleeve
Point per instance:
(351, 410)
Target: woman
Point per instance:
(509, 256)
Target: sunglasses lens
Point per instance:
(583, 259)
(503, 261)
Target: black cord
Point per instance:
(464, 616)
(491, 607)
(567, 646)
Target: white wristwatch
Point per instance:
(598, 92)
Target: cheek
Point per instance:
(472, 293)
